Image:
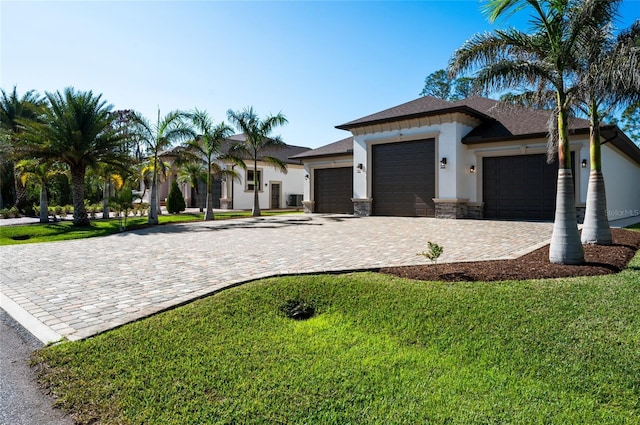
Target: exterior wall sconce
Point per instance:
(306, 176)
(443, 163)
(472, 169)
(360, 166)
(583, 164)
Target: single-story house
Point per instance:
(277, 189)
(473, 158)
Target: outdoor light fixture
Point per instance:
(584, 163)
(443, 163)
(306, 176)
(360, 167)
(472, 169)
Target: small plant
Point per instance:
(175, 200)
(433, 253)
(297, 309)
(122, 204)
(4, 213)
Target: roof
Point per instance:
(498, 121)
(342, 147)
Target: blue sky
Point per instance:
(321, 63)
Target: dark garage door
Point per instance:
(333, 190)
(519, 187)
(404, 178)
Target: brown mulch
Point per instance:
(599, 260)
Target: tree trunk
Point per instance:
(256, 189)
(44, 204)
(209, 214)
(105, 199)
(80, 218)
(595, 229)
(153, 204)
(565, 247)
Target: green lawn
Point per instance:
(381, 350)
(64, 230)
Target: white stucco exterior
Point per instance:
(622, 183)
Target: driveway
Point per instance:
(76, 289)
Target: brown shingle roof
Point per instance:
(284, 153)
(342, 147)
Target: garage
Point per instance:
(519, 187)
(333, 190)
(403, 181)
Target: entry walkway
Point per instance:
(76, 289)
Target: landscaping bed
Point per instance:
(599, 260)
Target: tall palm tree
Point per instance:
(208, 147)
(258, 138)
(76, 129)
(609, 78)
(13, 108)
(167, 130)
(40, 172)
(509, 58)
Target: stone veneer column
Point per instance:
(225, 203)
(450, 208)
(362, 206)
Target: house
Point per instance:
(276, 189)
(473, 158)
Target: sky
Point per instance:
(320, 63)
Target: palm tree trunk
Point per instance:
(77, 188)
(105, 199)
(209, 214)
(565, 247)
(44, 204)
(256, 200)
(153, 204)
(595, 229)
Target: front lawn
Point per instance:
(380, 350)
(64, 230)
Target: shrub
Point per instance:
(297, 309)
(434, 252)
(4, 213)
(175, 200)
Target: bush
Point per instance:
(175, 200)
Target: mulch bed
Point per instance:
(599, 260)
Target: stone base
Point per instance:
(308, 206)
(475, 211)
(580, 214)
(362, 207)
(451, 208)
(226, 203)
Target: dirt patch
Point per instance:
(535, 265)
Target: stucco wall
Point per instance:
(622, 183)
(290, 183)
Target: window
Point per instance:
(249, 180)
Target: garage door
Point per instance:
(403, 182)
(333, 190)
(519, 187)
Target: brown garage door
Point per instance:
(333, 190)
(519, 187)
(404, 178)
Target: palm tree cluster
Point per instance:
(573, 60)
(79, 134)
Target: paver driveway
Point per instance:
(79, 288)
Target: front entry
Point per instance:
(274, 202)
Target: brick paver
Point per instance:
(82, 287)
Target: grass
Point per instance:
(64, 230)
(380, 350)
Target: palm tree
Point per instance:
(167, 130)
(41, 172)
(208, 147)
(258, 137)
(76, 129)
(12, 109)
(110, 177)
(509, 58)
(609, 78)
(193, 173)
